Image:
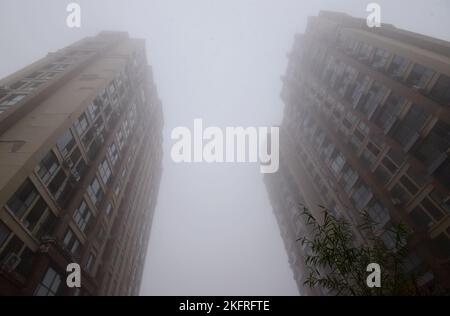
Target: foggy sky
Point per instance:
(213, 231)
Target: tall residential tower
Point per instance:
(80, 167)
(367, 126)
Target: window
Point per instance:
(93, 110)
(108, 209)
(432, 151)
(441, 91)
(444, 203)
(361, 195)
(398, 66)
(408, 130)
(349, 177)
(400, 195)
(50, 284)
(409, 185)
(40, 213)
(82, 217)
(117, 189)
(432, 209)
(81, 124)
(388, 114)
(443, 173)
(365, 51)
(22, 199)
(113, 154)
(420, 218)
(419, 76)
(360, 86)
(377, 212)
(338, 164)
(104, 171)
(4, 233)
(95, 191)
(120, 138)
(66, 143)
(380, 58)
(382, 174)
(12, 99)
(56, 186)
(47, 167)
(71, 243)
(90, 262)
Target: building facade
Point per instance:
(367, 127)
(80, 167)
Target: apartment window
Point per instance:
(367, 157)
(104, 171)
(113, 154)
(56, 186)
(441, 91)
(111, 88)
(95, 191)
(400, 195)
(71, 243)
(443, 173)
(417, 176)
(377, 212)
(365, 51)
(4, 233)
(398, 66)
(108, 209)
(90, 262)
(66, 143)
(389, 164)
(81, 124)
(39, 214)
(361, 85)
(420, 218)
(12, 99)
(349, 177)
(22, 199)
(432, 209)
(117, 189)
(409, 185)
(361, 195)
(407, 131)
(390, 111)
(50, 284)
(432, 151)
(120, 139)
(83, 216)
(47, 167)
(419, 76)
(382, 174)
(380, 58)
(338, 164)
(93, 110)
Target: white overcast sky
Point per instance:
(213, 232)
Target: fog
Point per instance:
(213, 231)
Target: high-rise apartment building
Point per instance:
(80, 167)
(367, 127)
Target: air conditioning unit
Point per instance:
(11, 262)
(396, 202)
